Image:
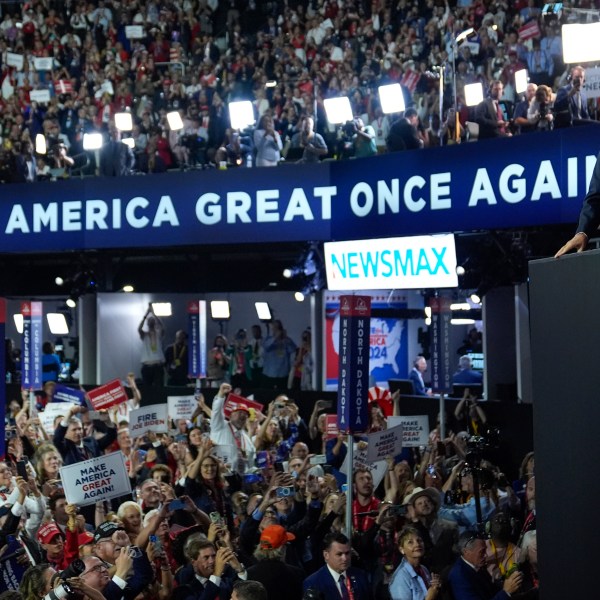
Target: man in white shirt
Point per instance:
(232, 432)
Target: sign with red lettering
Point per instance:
(107, 395)
(234, 401)
(90, 481)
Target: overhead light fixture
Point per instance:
(175, 121)
(475, 298)
(460, 270)
(338, 110)
(219, 310)
(462, 321)
(428, 312)
(473, 94)
(71, 302)
(161, 309)
(59, 280)
(289, 273)
(18, 319)
(123, 121)
(391, 98)
(40, 144)
(263, 311)
(127, 288)
(57, 324)
(241, 114)
(460, 306)
(521, 81)
(92, 141)
(299, 296)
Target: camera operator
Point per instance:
(571, 101)
(540, 113)
(58, 159)
(364, 139)
(312, 142)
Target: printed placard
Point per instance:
(51, 411)
(233, 401)
(134, 32)
(377, 468)
(15, 60)
(181, 407)
(101, 478)
(43, 64)
(108, 395)
(148, 418)
(64, 393)
(40, 96)
(415, 430)
(384, 443)
(226, 453)
(331, 427)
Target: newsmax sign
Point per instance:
(426, 261)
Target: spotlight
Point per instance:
(299, 296)
(338, 110)
(40, 144)
(128, 288)
(460, 270)
(521, 79)
(57, 324)
(263, 311)
(219, 310)
(18, 319)
(59, 280)
(71, 302)
(391, 98)
(162, 309)
(123, 121)
(460, 306)
(174, 120)
(130, 142)
(288, 273)
(241, 114)
(92, 141)
(473, 94)
(475, 298)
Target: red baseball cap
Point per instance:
(275, 536)
(48, 532)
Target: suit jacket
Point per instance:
(141, 574)
(418, 383)
(72, 454)
(487, 118)
(324, 583)
(589, 217)
(190, 587)
(403, 136)
(567, 105)
(467, 584)
(276, 576)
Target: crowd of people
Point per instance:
(69, 67)
(267, 516)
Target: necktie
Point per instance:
(343, 588)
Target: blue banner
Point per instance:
(441, 366)
(353, 389)
(36, 345)
(64, 393)
(535, 179)
(193, 340)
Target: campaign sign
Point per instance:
(203, 356)
(415, 430)
(377, 468)
(226, 453)
(51, 411)
(3, 373)
(148, 418)
(181, 407)
(91, 481)
(134, 32)
(41, 96)
(43, 64)
(384, 443)
(12, 570)
(331, 427)
(193, 339)
(64, 393)
(352, 410)
(107, 395)
(441, 368)
(15, 60)
(233, 401)
(36, 345)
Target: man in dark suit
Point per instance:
(404, 134)
(338, 580)
(71, 443)
(469, 579)
(570, 105)
(589, 217)
(489, 116)
(416, 376)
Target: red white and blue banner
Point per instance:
(441, 366)
(31, 362)
(197, 350)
